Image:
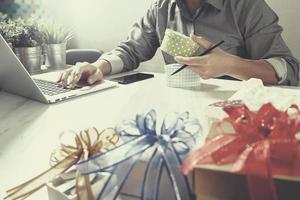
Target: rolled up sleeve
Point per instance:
(280, 67)
(263, 40)
(115, 61)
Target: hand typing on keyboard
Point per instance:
(51, 88)
(87, 72)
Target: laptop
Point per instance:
(15, 79)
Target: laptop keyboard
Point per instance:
(51, 88)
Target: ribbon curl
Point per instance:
(165, 150)
(264, 143)
(78, 147)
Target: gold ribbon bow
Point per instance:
(74, 147)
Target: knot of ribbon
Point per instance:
(164, 151)
(264, 143)
(73, 148)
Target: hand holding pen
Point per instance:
(211, 63)
(202, 54)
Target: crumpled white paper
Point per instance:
(254, 94)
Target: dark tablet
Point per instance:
(132, 78)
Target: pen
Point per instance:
(202, 54)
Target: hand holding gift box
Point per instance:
(264, 143)
(74, 147)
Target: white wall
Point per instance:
(288, 12)
(98, 23)
(104, 23)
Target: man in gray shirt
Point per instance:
(253, 45)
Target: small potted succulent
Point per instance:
(56, 39)
(26, 38)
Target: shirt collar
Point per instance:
(215, 3)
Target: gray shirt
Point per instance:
(249, 28)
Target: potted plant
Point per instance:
(56, 39)
(26, 38)
(4, 31)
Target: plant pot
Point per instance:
(30, 57)
(55, 55)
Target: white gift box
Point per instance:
(184, 79)
(63, 187)
(132, 188)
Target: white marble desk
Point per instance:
(29, 130)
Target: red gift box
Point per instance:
(264, 144)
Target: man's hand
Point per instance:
(90, 72)
(216, 63)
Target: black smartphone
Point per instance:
(132, 78)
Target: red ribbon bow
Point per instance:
(264, 143)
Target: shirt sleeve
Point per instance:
(263, 39)
(141, 44)
(280, 67)
(115, 61)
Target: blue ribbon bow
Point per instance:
(164, 149)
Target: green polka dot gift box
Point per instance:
(177, 44)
